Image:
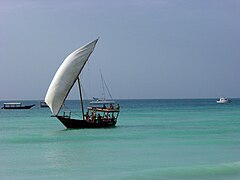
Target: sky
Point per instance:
(147, 49)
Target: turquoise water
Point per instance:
(154, 139)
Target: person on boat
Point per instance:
(105, 116)
(117, 106)
(87, 116)
(104, 106)
(99, 118)
(93, 117)
(111, 106)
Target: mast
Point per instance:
(102, 85)
(81, 101)
(105, 84)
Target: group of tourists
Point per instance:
(110, 106)
(98, 118)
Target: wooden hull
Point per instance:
(77, 124)
(44, 106)
(19, 107)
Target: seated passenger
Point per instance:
(93, 117)
(87, 116)
(99, 118)
(111, 106)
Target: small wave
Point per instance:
(219, 171)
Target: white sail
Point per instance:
(66, 76)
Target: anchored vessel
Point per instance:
(223, 100)
(17, 105)
(43, 104)
(103, 114)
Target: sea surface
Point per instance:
(153, 139)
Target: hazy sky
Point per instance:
(147, 48)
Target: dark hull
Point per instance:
(44, 106)
(20, 107)
(77, 124)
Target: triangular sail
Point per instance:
(66, 76)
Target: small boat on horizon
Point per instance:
(96, 101)
(98, 115)
(43, 104)
(16, 105)
(223, 100)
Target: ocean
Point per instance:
(153, 139)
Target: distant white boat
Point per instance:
(17, 105)
(98, 101)
(223, 100)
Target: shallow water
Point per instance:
(153, 139)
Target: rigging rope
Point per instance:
(104, 83)
(84, 92)
(89, 81)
